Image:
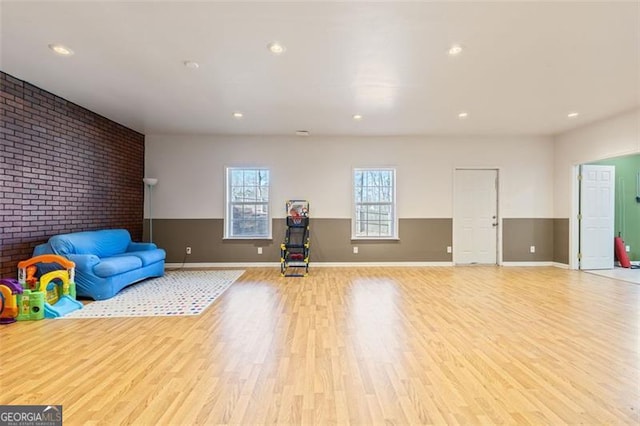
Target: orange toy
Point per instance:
(31, 279)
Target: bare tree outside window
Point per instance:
(374, 201)
(248, 203)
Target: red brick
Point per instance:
(64, 169)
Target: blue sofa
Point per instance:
(106, 260)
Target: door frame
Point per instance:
(574, 224)
(498, 211)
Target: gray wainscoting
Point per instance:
(561, 240)
(421, 240)
(549, 236)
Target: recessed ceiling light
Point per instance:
(276, 48)
(191, 64)
(573, 115)
(238, 114)
(61, 49)
(455, 50)
(357, 117)
(462, 115)
(302, 133)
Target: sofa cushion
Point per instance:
(146, 256)
(103, 243)
(116, 265)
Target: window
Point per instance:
(247, 214)
(374, 203)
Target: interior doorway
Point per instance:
(475, 216)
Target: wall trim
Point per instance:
(344, 264)
(221, 265)
(529, 264)
(393, 264)
(311, 265)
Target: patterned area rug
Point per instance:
(177, 293)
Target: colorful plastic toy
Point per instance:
(30, 305)
(294, 252)
(9, 291)
(53, 295)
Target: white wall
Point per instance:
(614, 137)
(190, 170)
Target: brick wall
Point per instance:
(62, 169)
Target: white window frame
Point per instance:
(394, 211)
(228, 205)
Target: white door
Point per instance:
(475, 221)
(597, 189)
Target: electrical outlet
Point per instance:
(259, 250)
(628, 249)
(355, 250)
(188, 250)
(532, 249)
(449, 249)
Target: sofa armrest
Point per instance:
(141, 247)
(84, 262)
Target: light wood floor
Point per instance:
(465, 345)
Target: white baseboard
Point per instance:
(373, 264)
(528, 264)
(312, 264)
(347, 264)
(222, 265)
(617, 264)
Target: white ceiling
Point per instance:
(524, 67)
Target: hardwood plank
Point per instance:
(474, 345)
